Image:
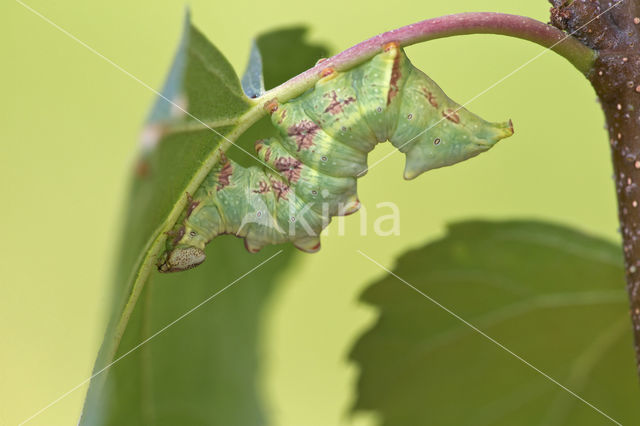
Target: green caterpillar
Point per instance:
(324, 138)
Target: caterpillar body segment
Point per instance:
(324, 137)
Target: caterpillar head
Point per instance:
(181, 258)
(452, 143)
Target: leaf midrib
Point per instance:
(155, 244)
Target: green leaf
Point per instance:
(168, 166)
(280, 44)
(202, 369)
(551, 295)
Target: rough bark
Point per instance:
(615, 35)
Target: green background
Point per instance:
(69, 125)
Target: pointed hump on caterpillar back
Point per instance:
(434, 131)
(448, 146)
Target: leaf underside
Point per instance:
(551, 295)
(252, 79)
(203, 369)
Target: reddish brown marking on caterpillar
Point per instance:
(192, 205)
(391, 45)
(280, 189)
(224, 175)
(303, 133)
(432, 100)
(282, 116)
(316, 247)
(177, 234)
(246, 246)
(395, 75)
(451, 115)
(353, 208)
(289, 167)
(263, 187)
(259, 144)
(171, 232)
(336, 106)
(321, 60)
(327, 72)
(271, 106)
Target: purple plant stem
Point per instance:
(581, 56)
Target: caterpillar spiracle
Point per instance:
(324, 138)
